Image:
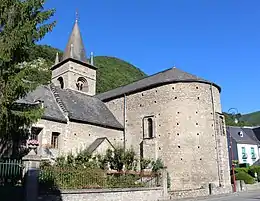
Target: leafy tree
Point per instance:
(230, 120)
(22, 24)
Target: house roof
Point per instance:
(168, 76)
(246, 139)
(250, 132)
(85, 108)
(78, 106)
(51, 109)
(96, 144)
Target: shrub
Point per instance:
(241, 169)
(72, 178)
(123, 181)
(255, 169)
(248, 179)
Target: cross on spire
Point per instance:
(77, 15)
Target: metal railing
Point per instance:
(11, 170)
(73, 178)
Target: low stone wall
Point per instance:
(201, 192)
(131, 194)
(252, 187)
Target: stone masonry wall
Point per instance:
(82, 135)
(75, 136)
(140, 194)
(184, 130)
(70, 72)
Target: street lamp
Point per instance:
(233, 112)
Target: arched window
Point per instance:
(82, 84)
(60, 79)
(150, 127)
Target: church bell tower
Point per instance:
(74, 70)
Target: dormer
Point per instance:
(240, 133)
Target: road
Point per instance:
(243, 196)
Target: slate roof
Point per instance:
(85, 108)
(251, 134)
(96, 144)
(168, 76)
(75, 48)
(51, 108)
(246, 139)
(78, 106)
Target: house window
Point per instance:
(60, 79)
(244, 155)
(35, 131)
(82, 84)
(253, 155)
(148, 127)
(55, 140)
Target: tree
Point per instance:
(22, 24)
(230, 120)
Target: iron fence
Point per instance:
(11, 171)
(73, 178)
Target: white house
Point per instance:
(244, 145)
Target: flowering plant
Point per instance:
(33, 142)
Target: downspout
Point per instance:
(214, 127)
(124, 122)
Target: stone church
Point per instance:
(171, 115)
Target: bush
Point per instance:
(123, 181)
(241, 169)
(72, 178)
(248, 179)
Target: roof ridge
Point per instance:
(167, 76)
(168, 69)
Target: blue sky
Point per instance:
(218, 40)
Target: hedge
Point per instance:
(248, 179)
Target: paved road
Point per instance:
(244, 196)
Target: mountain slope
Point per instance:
(252, 118)
(111, 72)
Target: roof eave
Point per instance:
(121, 128)
(74, 60)
(153, 86)
(54, 119)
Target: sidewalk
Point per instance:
(254, 194)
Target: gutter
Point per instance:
(124, 133)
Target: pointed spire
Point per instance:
(57, 60)
(77, 16)
(75, 48)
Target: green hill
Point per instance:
(252, 118)
(111, 73)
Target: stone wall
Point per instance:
(74, 136)
(139, 194)
(202, 192)
(184, 131)
(71, 71)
